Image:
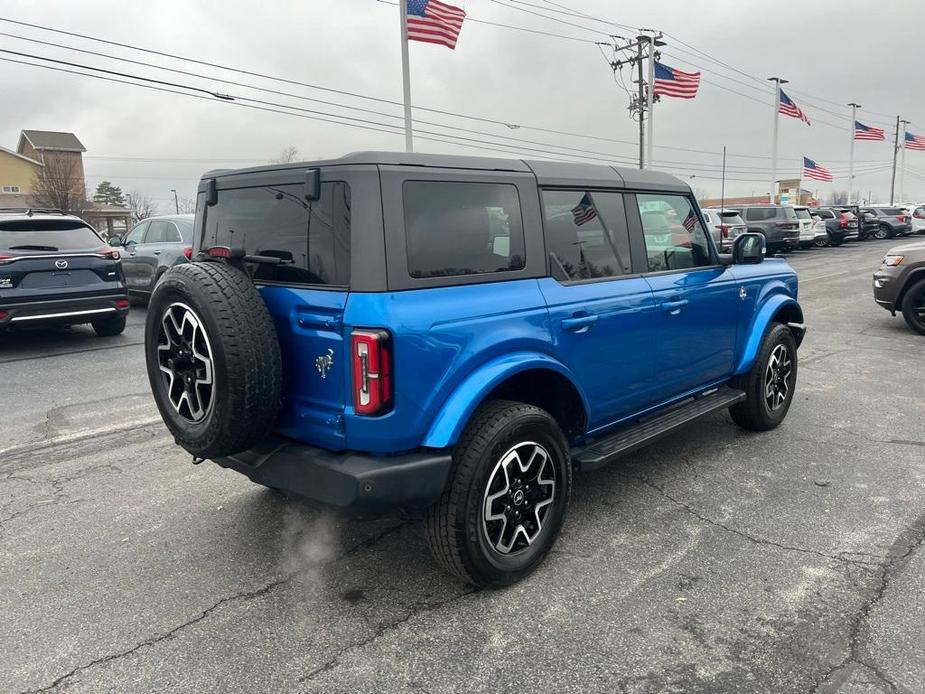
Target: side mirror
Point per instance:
(748, 248)
(313, 184)
(115, 241)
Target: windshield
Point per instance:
(47, 235)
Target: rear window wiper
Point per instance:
(33, 248)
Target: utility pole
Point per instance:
(176, 200)
(854, 120)
(777, 84)
(902, 163)
(895, 152)
(641, 101)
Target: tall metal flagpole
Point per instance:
(902, 163)
(650, 100)
(406, 74)
(854, 119)
(777, 83)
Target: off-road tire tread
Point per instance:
(750, 413)
(444, 536)
(253, 363)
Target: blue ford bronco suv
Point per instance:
(452, 336)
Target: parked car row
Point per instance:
(787, 227)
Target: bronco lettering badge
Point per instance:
(324, 363)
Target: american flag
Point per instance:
(914, 141)
(584, 211)
(866, 132)
(672, 82)
(432, 21)
(788, 108)
(690, 222)
(812, 170)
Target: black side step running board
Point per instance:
(601, 451)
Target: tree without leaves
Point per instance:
(108, 194)
(59, 185)
(187, 205)
(142, 206)
(287, 155)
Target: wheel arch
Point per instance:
(534, 379)
(777, 308)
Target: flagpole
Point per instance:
(854, 120)
(650, 100)
(406, 74)
(777, 83)
(902, 164)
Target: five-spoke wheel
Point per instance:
(184, 356)
(777, 377)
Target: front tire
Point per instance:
(506, 497)
(914, 307)
(883, 232)
(770, 384)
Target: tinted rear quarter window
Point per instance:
(311, 239)
(459, 228)
(803, 214)
(759, 214)
(50, 235)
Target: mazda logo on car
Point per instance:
(61, 264)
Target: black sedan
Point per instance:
(152, 247)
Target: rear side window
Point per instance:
(457, 228)
(760, 214)
(788, 212)
(825, 214)
(47, 235)
(310, 238)
(586, 233)
(803, 214)
(675, 238)
(161, 232)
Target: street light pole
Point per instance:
(176, 200)
(854, 116)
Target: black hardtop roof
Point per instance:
(551, 173)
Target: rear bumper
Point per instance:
(363, 485)
(68, 311)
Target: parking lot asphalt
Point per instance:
(715, 561)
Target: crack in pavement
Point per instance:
(898, 556)
(243, 596)
(415, 610)
(751, 538)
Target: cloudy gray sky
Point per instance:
(152, 141)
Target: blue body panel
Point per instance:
(627, 346)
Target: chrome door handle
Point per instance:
(157, 252)
(674, 307)
(579, 324)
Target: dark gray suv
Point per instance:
(152, 247)
(779, 224)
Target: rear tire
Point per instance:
(770, 384)
(914, 307)
(213, 359)
(883, 232)
(821, 241)
(469, 529)
(109, 327)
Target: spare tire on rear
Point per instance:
(213, 359)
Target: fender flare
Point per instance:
(447, 426)
(763, 318)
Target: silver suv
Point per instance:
(779, 224)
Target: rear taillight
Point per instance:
(918, 214)
(6, 256)
(843, 222)
(122, 303)
(724, 230)
(188, 252)
(3, 315)
(371, 357)
(107, 252)
(901, 217)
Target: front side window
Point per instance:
(457, 228)
(586, 233)
(311, 239)
(675, 238)
(137, 234)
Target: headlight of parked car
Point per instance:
(892, 260)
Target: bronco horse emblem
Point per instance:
(324, 363)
